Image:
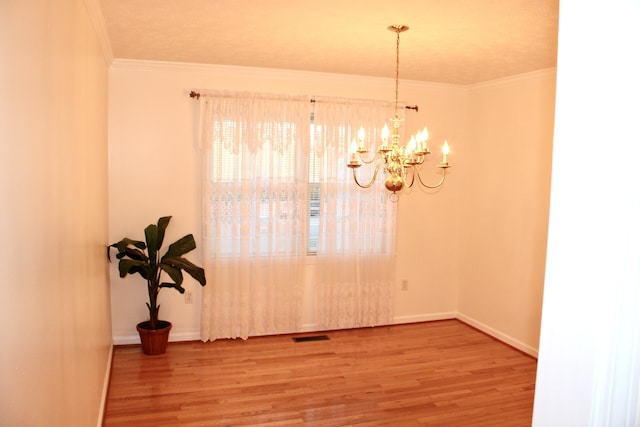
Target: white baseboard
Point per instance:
(105, 388)
(126, 340)
(312, 327)
(424, 318)
(184, 336)
(498, 335)
(173, 337)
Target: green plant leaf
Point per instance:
(131, 266)
(151, 235)
(163, 223)
(133, 253)
(180, 247)
(175, 286)
(123, 244)
(173, 272)
(186, 265)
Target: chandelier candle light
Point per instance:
(399, 162)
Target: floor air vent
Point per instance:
(311, 338)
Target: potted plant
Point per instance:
(144, 258)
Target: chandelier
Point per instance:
(400, 162)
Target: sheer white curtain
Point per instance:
(356, 231)
(255, 202)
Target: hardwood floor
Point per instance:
(442, 373)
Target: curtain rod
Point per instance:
(196, 95)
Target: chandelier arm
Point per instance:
(373, 179)
(444, 173)
(413, 176)
(368, 162)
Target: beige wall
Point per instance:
(474, 249)
(507, 202)
(154, 171)
(54, 310)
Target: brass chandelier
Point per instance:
(400, 162)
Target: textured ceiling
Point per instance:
(449, 41)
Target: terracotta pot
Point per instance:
(154, 341)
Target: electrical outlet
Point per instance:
(404, 286)
(188, 297)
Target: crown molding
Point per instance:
(97, 21)
(266, 73)
(289, 75)
(515, 78)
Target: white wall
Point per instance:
(589, 366)
(54, 310)
(154, 171)
(507, 201)
(473, 249)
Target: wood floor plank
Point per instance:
(435, 373)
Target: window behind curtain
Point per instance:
(227, 165)
(266, 204)
(276, 188)
(254, 205)
(355, 252)
(350, 220)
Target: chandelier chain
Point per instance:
(397, 69)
